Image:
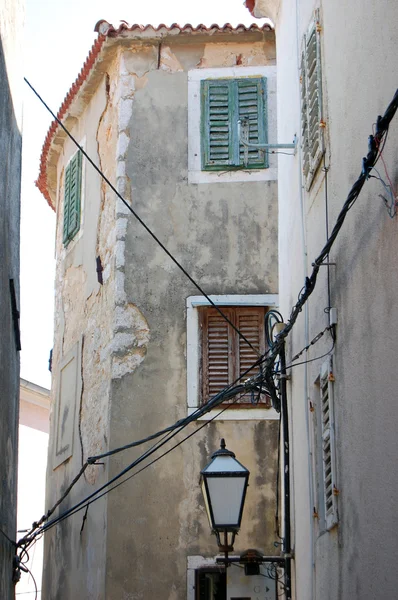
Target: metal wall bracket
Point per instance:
(243, 134)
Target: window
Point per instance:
(72, 198)
(195, 317)
(326, 447)
(206, 580)
(224, 102)
(225, 355)
(211, 584)
(311, 103)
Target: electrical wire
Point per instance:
(214, 402)
(8, 538)
(200, 411)
(312, 342)
(231, 390)
(34, 580)
(391, 204)
(141, 221)
(81, 505)
(391, 185)
(305, 362)
(375, 149)
(376, 145)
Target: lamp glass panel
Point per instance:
(226, 464)
(206, 503)
(226, 495)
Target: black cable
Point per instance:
(144, 225)
(34, 581)
(231, 390)
(304, 362)
(201, 410)
(314, 341)
(7, 538)
(83, 504)
(368, 163)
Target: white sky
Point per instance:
(58, 36)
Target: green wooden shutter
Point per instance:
(223, 103)
(66, 203)
(72, 198)
(305, 145)
(252, 107)
(216, 125)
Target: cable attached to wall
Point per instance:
(229, 392)
(375, 147)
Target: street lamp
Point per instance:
(224, 482)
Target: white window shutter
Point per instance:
(328, 445)
(311, 103)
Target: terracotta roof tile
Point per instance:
(106, 30)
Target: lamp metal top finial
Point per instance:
(223, 450)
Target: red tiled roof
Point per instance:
(105, 30)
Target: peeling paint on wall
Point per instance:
(130, 328)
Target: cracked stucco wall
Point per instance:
(130, 331)
(226, 236)
(84, 318)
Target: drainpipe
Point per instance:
(286, 475)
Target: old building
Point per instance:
(137, 346)
(336, 73)
(11, 16)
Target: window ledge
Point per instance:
(238, 414)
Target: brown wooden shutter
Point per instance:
(250, 322)
(225, 355)
(217, 349)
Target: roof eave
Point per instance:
(88, 78)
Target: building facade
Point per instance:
(137, 346)
(11, 21)
(335, 76)
(34, 413)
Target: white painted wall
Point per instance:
(357, 558)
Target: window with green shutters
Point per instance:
(72, 198)
(224, 102)
(312, 142)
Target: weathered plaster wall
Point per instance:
(128, 337)
(225, 235)
(11, 23)
(84, 313)
(357, 559)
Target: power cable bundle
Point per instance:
(264, 381)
